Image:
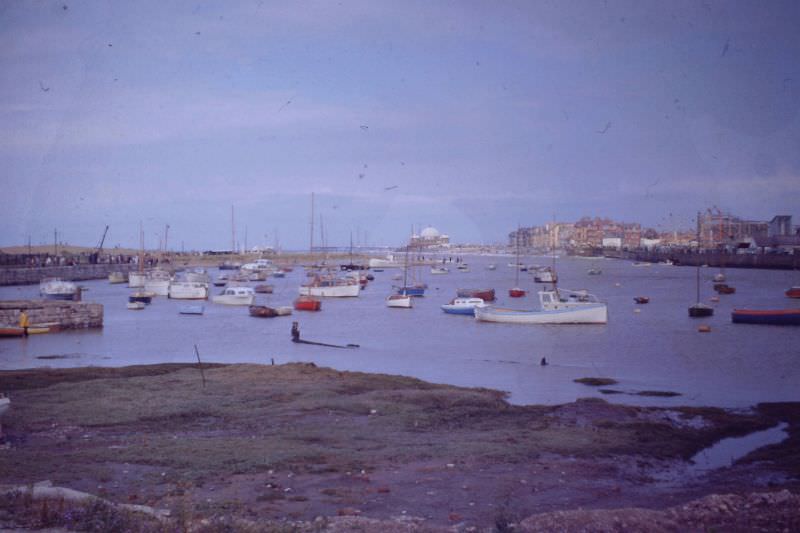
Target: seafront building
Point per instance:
(715, 229)
(429, 239)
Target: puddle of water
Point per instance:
(727, 451)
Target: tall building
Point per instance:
(780, 225)
(716, 228)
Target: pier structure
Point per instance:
(56, 314)
(33, 275)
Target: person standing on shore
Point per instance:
(23, 321)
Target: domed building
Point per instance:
(430, 237)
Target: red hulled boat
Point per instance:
(307, 303)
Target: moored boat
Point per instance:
(307, 303)
(264, 288)
(331, 287)
(641, 299)
(136, 280)
(439, 270)
(700, 310)
(486, 295)
(135, 306)
(794, 292)
(775, 317)
(11, 331)
(57, 289)
(416, 291)
(187, 290)
(157, 282)
(235, 296)
(516, 292)
(141, 296)
(400, 301)
(558, 306)
(262, 311)
(545, 275)
(117, 277)
(191, 309)
(723, 288)
(462, 306)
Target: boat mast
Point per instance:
(516, 277)
(697, 273)
(233, 233)
(141, 247)
(405, 266)
(311, 245)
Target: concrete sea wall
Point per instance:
(68, 315)
(33, 275)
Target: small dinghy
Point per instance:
(191, 310)
(136, 306)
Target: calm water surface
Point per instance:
(658, 348)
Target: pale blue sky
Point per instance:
(474, 116)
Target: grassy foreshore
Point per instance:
(295, 442)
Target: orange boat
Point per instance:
(307, 303)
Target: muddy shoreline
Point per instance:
(292, 443)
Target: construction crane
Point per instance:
(96, 254)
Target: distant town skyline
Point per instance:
(473, 118)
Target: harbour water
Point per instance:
(657, 348)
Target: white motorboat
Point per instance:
(491, 266)
(235, 296)
(197, 274)
(188, 290)
(157, 282)
(331, 287)
(259, 265)
(136, 280)
(558, 306)
(440, 270)
(400, 301)
(135, 306)
(57, 289)
(463, 306)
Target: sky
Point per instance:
(472, 117)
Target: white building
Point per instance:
(430, 238)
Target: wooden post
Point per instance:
(200, 365)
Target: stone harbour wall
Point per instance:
(33, 275)
(67, 315)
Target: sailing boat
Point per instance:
(699, 309)
(516, 292)
(136, 279)
(401, 300)
(414, 289)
